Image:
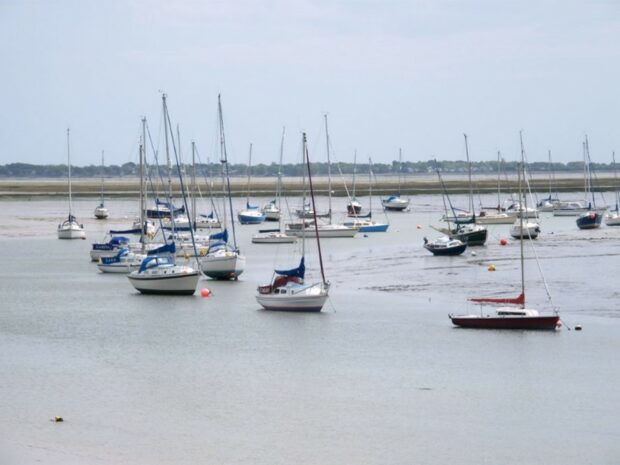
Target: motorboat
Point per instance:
(445, 246)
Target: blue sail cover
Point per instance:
(221, 236)
(166, 248)
(210, 215)
(116, 258)
(250, 207)
(299, 272)
(149, 262)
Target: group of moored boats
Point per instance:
(152, 268)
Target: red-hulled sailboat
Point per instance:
(506, 316)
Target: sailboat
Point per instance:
(288, 291)
(158, 272)
(70, 228)
(311, 227)
(395, 202)
(354, 207)
(552, 201)
(498, 217)
(251, 214)
(101, 212)
(223, 260)
(275, 235)
(505, 317)
(613, 217)
(593, 217)
(366, 224)
(467, 230)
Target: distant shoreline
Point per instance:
(265, 186)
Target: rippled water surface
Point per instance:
(380, 377)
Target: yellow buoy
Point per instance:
(58, 419)
(491, 267)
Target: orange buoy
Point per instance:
(205, 292)
(503, 242)
(418, 227)
(491, 267)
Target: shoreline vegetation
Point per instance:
(426, 184)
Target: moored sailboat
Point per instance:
(506, 317)
(288, 291)
(70, 228)
(101, 211)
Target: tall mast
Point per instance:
(329, 172)
(279, 185)
(471, 189)
(550, 170)
(193, 189)
(69, 178)
(102, 168)
(400, 167)
(613, 157)
(521, 215)
(169, 165)
(589, 171)
(354, 172)
(142, 187)
(316, 226)
(224, 161)
(499, 173)
(247, 199)
(370, 186)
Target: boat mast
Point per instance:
(613, 157)
(169, 166)
(142, 187)
(400, 167)
(550, 177)
(316, 226)
(370, 187)
(69, 178)
(102, 169)
(193, 189)
(589, 171)
(247, 198)
(354, 172)
(499, 174)
(224, 161)
(521, 215)
(329, 173)
(279, 185)
(471, 190)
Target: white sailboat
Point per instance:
(275, 235)
(613, 217)
(288, 290)
(365, 223)
(159, 273)
(101, 212)
(70, 228)
(223, 260)
(251, 214)
(309, 224)
(395, 202)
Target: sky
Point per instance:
(389, 74)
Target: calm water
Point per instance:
(380, 377)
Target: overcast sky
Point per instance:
(412, 74)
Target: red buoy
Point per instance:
(205, 292)
(503, 242)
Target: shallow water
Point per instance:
(380, 377)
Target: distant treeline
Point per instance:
(25, 170)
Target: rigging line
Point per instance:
(204, 169)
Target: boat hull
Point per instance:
(612, 220)
(398, 205)
(184, 284)
(273, 238)
(456, 250)
(71, 233)
(228, 266)
(471, 238)
(549, 323)
(101, 213)
(287, 303)
(590, 220)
